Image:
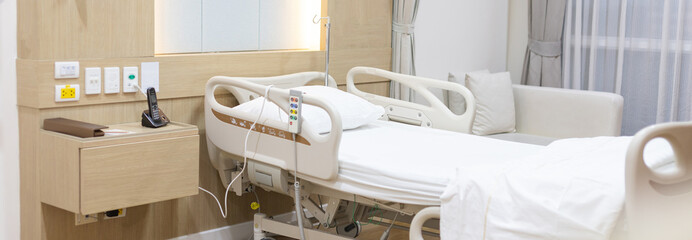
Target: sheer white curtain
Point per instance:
(641, 49)
(403, 51)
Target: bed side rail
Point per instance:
(283, 81)
(416, 229)
(659, 205)
(226, 129)
(437, 115)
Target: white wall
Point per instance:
(518, 37)
(9, 136)
(460, 36)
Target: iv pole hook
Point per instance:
(316, 20)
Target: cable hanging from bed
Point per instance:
(224, 210)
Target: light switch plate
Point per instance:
(130, 78)
(111, 80)
(92, 80)
(64, 70)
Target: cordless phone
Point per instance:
(154, 117)
(153, 105)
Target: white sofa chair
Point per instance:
(545, 114)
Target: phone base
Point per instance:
(147, 121)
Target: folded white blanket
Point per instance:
(573, 189)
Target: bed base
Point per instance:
(329, 214)
(262, 225)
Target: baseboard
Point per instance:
(240, 231)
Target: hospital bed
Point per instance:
(657, 199)
(404, 174)
(332, 165)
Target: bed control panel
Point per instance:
(295, 100)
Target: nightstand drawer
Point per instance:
(139, 173)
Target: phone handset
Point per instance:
(153, 105)
(153, 117)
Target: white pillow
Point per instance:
(456, 102)
(494, 102)
(354, 110)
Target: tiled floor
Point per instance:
(375, 231)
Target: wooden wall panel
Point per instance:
(120, 33)
(186, 75)
(81, 29)
(29, 189)
(361, 24)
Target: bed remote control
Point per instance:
(295, 101)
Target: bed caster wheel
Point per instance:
(351, 230)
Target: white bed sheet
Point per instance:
(408, 164)
(573, 189)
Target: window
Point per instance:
(641, 49)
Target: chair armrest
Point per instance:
(565, 113)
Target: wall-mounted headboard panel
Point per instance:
(120, 33)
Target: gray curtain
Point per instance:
(543, 60)
(403, 17)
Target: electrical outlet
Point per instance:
(80, 219)
(117, 213)
(66, 93)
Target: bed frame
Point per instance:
(657, 205)
(270, 153)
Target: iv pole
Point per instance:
(326, 57)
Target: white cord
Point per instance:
(224, 211)
(140, 89)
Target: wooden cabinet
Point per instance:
(91, 175)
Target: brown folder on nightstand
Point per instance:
(72, 127)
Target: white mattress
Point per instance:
(408, 164)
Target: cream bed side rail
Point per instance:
(659, 205)
(416, 229)
(437, 115)
(271, 143)
(283, 81)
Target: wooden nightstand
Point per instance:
(92, 175)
